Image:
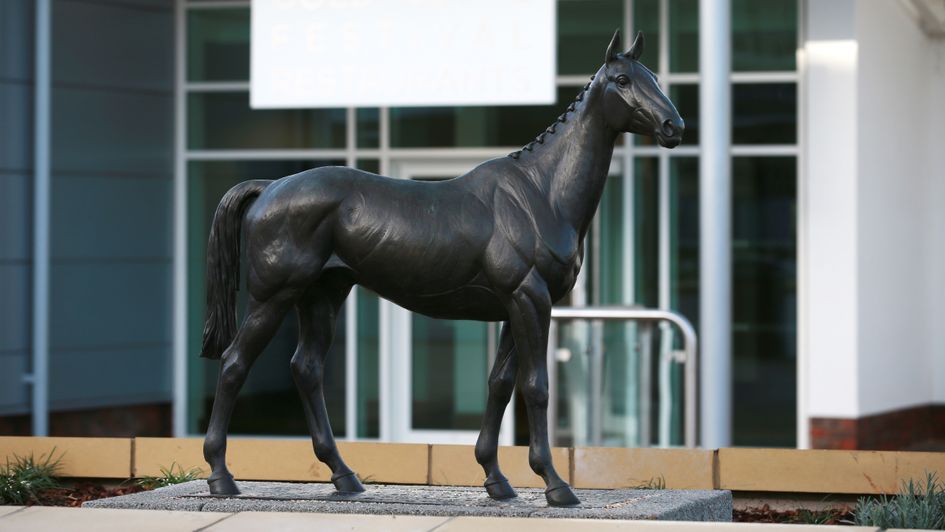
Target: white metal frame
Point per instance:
(387, 156)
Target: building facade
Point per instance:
(147, 123)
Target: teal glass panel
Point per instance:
(218, 44)
(686, 99)
(268, 403)
(448, 373)
(684, 236)
(764, 113)
(368, 398)
(646, 18)
(224, 120)
(369, 132)
(684, 35)
(764, 35)
(585, 28)
(443, 127)
(646, 231)
(764, 306)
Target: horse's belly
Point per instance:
(466, 303)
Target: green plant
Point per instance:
(912, 507)
(169, 477)
(655, 483)
(23, 479)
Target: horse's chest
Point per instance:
(560, 268)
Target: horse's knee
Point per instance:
(306, 371)
(502, 385)
(536, 394)
(234, 372)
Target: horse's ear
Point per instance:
(636, 50)
(614, 48)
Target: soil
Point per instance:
(801, 517)
(80, 492)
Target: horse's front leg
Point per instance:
(501, 385)
(530, 315)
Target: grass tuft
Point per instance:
(23, 479)
(913, 507)
(169, 477)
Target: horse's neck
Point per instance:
(574, 162)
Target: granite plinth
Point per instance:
(385, 499)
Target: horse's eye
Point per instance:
(623, 81)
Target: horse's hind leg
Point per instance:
(501, 385)
(262, 320)
(318, 311)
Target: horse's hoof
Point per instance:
(500, 490)
(347, 483)
(224, 485)
(561, 496)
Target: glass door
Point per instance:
(437, 369)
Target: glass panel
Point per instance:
(368, 165)
(368, 396)
(646, 231)
(218, 44)
(764, 35)
(585, 28)
(764, 113)
(223, 120)
(646, 18)
(764, 308)
(442, 127)
(684, 35)
(686, 99)
(684, 236)
(268, 403)
(369, 132)
(449, 373)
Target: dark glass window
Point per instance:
(764, 113)
(764, 35)
(268, 404)
(446, 127)
(224, 120)
(369, 133)
(218, 44)
(686, 99)
(764, 306)
(684, 35)
(584, 30)
(646, 18)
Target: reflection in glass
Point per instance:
(584, 29)
(268, 403)
(764, 308)
(764, 113)
(449, 373)
(218, 44)
(223, 120)
(683, 35)
(764, 35)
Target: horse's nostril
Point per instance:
(669, 129)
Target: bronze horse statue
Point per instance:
(500, 243)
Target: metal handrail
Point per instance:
(690, 346)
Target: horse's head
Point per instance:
(633, 101)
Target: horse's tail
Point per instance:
(223, 266)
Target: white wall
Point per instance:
(874, 241)
(894, 91)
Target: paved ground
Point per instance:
(439, 501)
(39, 518)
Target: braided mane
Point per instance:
(550, 130)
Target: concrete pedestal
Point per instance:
(387, 499)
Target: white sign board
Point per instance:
(367, 53)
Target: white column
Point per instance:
(41, 185)
(179, 349)
(715, 273)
